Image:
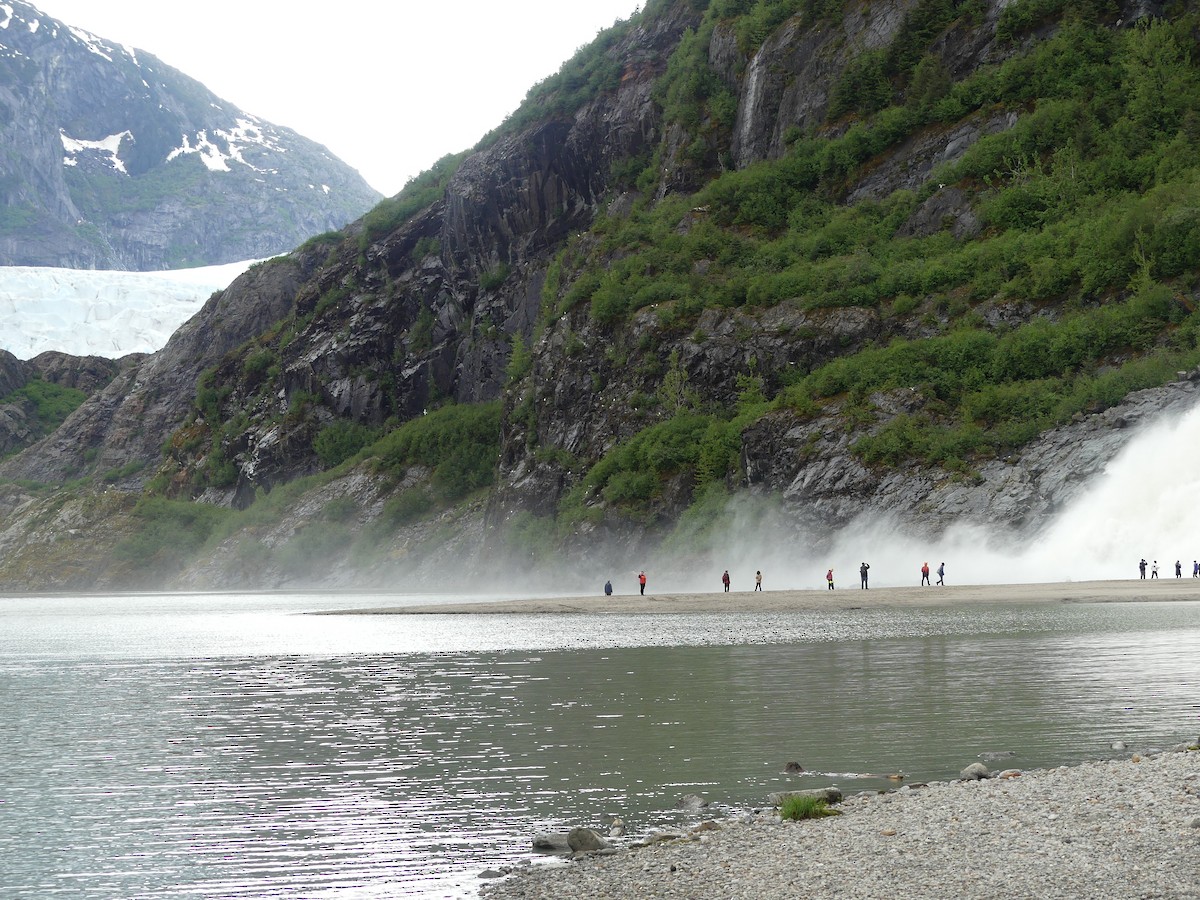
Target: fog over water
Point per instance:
(1146, 504)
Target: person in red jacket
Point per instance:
(725, 580)
(925, 573)
(642, 582)
(829, 578)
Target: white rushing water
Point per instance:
(1145, 504)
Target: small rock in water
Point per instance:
(491, 873)
(691, 801)
(556, 841)
(993, 755)
(1118, 745)
(583, 840)
(617, 829)
(793, 768)
(975, 772)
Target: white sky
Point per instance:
(389, 87)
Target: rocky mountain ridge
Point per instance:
(115, 160)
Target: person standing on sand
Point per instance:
(1142, 568)
(862, 573)
(725, 580)
(642, 582)
(1196, 568)
(758, 580)
(829, 578)
(924, 573)
(942, 573)
(608, 588)
(1178, 569)
(1154, 569)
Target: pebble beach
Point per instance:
(1121, 828)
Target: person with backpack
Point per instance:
(925, 573)
(725, 580)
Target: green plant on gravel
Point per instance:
(800, 806)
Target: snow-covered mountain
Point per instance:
(113, 159)
(86, 312)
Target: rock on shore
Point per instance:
(1111, 829)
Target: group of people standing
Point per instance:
(1178, 568)
(863, 571)
(725, 580)
(941, 573)
(865, 568)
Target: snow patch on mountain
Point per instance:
(108, 147)
(101, 313)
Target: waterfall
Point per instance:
(1146, 503)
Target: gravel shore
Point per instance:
(1127, 828)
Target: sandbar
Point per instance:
(1118, 591)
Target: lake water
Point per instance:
(227, 746)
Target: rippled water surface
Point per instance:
(229, 746)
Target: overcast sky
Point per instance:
(388, 87)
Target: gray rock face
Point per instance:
(115, 160)
(787, 83)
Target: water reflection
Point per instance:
(180, 768)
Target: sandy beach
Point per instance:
(853, 597)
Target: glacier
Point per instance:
(90, 312)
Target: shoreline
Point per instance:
(1117, 828)
(1118, 591)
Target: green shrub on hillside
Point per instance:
(169, 533)
(48, 403)
(338, 441)
(459, 443)
(419, 193)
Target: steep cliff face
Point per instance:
(114, 160)
(593, 387)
